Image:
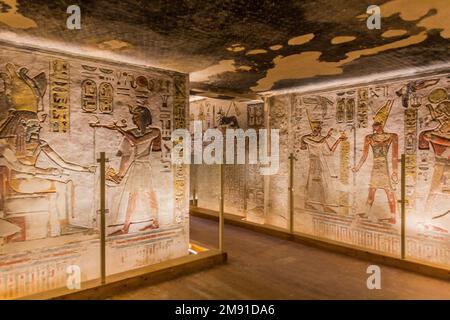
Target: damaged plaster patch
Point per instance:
(236, 48)
(418, 38)
(411, 10)
(256, 51)
(307, 64)
(245, 68)
(342, 39)
(113, 44)
(13, 18)
(276, 47)
(394, 33)
(205, 74)
(301, 39)
(297, 66)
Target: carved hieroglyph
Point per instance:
(105, 97)
(59, 95)
(89, 95)
(181, 171)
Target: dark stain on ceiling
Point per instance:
(241, 46)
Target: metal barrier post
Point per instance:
(291, 192)
(403, 207)
(221, 207)
(102, 162)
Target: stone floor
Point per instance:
(264, 267)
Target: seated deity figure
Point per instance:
(20, 149)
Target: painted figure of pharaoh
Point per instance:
(138, 203)
(319, 188)
(439, 139)
(380, 142)
(20, 149)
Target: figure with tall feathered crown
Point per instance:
(380, 142)
(319, 188)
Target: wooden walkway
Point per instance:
(265, 267)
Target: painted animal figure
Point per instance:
(228, 121)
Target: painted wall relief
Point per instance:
(254, 181)
(279, 111)
(23, 181)
(49, 182)
(347, 144)
(221, 114)
(320, 187)
(381, 178)
(350, 190)
(215, 113)
(181, 186)
(433, 145)
(135, 170)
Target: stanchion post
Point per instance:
(102, 160)
(291, 192)
(403, 207)
(221, 207)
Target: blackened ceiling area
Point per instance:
(243, 47)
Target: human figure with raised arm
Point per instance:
(438, 139)
(135, 171)
(319, 188)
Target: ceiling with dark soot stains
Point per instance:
(242, 46)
